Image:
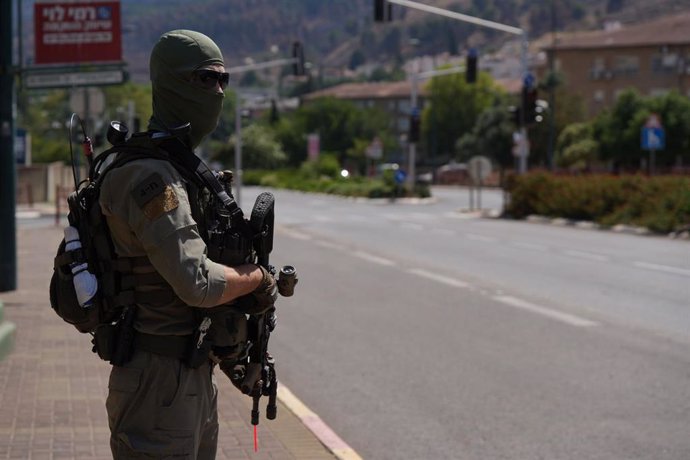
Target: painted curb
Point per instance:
(313, 422)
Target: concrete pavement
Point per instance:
(53, 388)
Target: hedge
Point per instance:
(660, 203)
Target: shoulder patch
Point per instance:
(154, 197)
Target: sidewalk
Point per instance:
(53, 388)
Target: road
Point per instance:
(421, 332)
(418, 332)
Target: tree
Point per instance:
(491, 136)
(260, 150)
(339, 124)
(453, 109)
(576, 149)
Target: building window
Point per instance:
(598, 69)
(665, 63)
(404, 106)
(626, 66)
(658, 92)
(403, 124)
(599, 95)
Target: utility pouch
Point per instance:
(199, 355)
(124, 338)
(104, 341)
(201, 345)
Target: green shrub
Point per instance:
(660, 203)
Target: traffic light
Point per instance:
(298, 55)
(415, 122)
(383, 11)
(529, 104)
(471, 66)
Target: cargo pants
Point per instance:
(160, 408)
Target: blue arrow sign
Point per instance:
(653, 138)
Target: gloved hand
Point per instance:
(262, 298)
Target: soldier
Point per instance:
(158, 404)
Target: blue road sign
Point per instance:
(653, 138)
(400, 176)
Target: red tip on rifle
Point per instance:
(87, 147)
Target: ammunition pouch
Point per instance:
(228, 333)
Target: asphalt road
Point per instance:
(421, 332)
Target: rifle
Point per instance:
(257, 376)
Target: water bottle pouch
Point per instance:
(63, 297)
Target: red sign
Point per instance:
(81, 32)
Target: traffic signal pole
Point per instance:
(8, 238)
(491, 25)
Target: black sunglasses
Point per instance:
(209, 78)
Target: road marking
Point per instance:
(530, 246)
(439, 278)
(553, 314)
(587, 255)
(326, 244)
(663, 268)
(295, 234)
(412, 226)
(318, 427)
(372, 258)
(475, 237)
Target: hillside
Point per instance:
(341, 33)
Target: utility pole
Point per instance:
(8, 238)
(297, 61)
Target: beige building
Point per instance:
(652, 57)
(391, 97)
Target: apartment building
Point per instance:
(392, 97)
(652, 57)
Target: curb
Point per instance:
(313, 423)
(620, 228)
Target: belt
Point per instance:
(172, 346)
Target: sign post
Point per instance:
(653, 138)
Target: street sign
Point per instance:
(399, 176)
(68, 79)
(653, 138)
(69, 32)
(22, 147)
(479, 168)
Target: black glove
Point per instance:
(262, 298)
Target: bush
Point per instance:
(313, 178)
(660, 203)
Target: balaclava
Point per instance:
(176, 100)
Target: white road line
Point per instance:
(587, 255)
(372, 258)
(553, 314)
(439, 278)
(412, 226)
(475, 237)
(326, 244)
(295, 234)
(663, 268)
(530, 246)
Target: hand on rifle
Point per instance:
(262, 298)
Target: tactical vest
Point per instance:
(218, 217)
